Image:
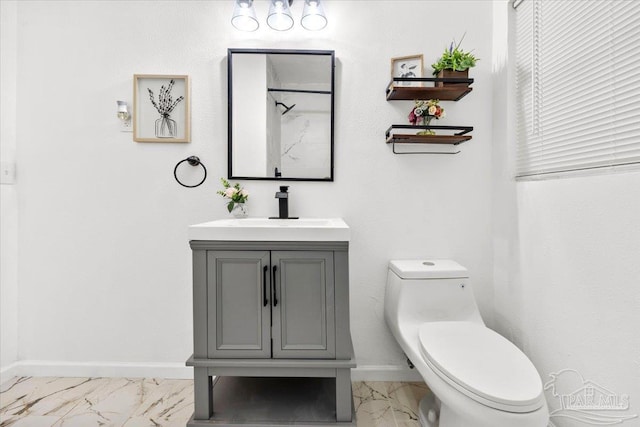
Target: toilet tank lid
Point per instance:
(428, 269)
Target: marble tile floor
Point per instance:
(142, 402)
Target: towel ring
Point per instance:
(193, 161)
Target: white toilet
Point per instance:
(478, 377)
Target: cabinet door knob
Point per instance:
(275, 299)
(264, 285)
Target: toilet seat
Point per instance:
(481, 364)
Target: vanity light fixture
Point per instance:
(279, 17)
(244, 16)
(313, 17)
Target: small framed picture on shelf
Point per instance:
(407, 66)
(161, 108)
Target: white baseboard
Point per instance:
(46, 368)
(384, 373)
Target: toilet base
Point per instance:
(429, 411)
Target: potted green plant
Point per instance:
(454, 63)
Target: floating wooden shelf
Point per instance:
(440, 143)
(428, 139)
(403, 138)
(408, 89)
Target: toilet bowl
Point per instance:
(478, 378)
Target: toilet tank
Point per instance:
(431, 290)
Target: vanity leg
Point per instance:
(203, 394)
(343, 395)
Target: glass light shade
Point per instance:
(313, 17)
(244, 16)
(279, 17)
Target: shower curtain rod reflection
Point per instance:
(324, 92)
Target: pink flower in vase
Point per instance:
(413, 119)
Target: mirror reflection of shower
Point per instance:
(299, 122)
(287, 109)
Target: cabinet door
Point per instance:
(303, 304)
(239, 310)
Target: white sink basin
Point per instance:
(265, 229)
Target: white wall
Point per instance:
(8, 196)
(104, 261)
(566, 257)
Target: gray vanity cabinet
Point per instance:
(276, 304)
(269, 317)
(238, 311)
(303, 302)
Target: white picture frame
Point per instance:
(407, 66)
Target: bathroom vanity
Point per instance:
(272, 342)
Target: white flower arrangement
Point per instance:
(235, 194)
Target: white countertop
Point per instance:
(265, 229)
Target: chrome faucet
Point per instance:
(283, 203)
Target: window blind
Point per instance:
(578, 85)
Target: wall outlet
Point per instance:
(7, 173)
(126, 125)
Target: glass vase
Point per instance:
(240, 210)
(426, 120)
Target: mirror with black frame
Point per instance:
(281, 114)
